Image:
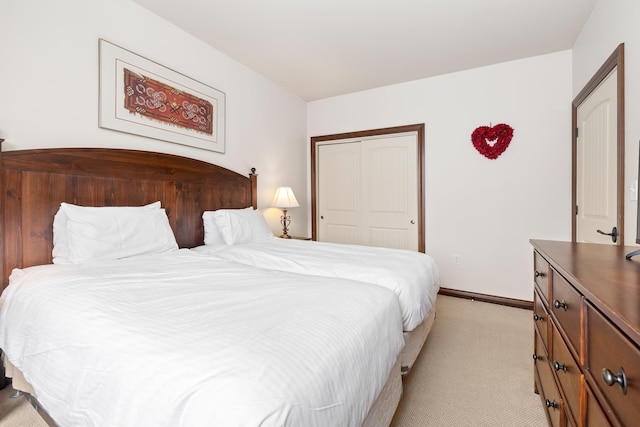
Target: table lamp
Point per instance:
(285, 199)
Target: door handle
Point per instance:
(613, 234)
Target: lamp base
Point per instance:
(284, 236)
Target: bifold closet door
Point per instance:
(368, 192)
(339, 188)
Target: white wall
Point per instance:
(484, 210)
(49, 90)
(613, 22)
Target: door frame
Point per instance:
(418, 128)
(615, 60)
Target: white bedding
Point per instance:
(167, 340)
(412, 276)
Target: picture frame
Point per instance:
(141, 97)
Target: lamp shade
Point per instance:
(285, 198)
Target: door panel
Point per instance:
(389, 192)
(596, 177)
(390, 238)
(338, 233)
(339, 186)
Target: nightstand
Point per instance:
(298, 237)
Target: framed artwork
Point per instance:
(142, 97)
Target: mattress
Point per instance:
(169, 340)
(412, 276)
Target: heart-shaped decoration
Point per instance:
(500, 133)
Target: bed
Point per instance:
(412, 276)
(187, 354)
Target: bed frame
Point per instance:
(35, 182)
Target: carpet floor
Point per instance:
(475, 370)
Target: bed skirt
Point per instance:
(413, 342)
(17, 379)
(384, 407)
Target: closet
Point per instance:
(367, 188)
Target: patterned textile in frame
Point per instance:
(158, 101)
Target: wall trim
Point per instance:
(511, 302)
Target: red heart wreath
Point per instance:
(501, 133)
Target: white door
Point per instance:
(368, 192)
(389, 191)
(596, 163)
(339, 187)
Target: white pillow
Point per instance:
(212, 235)
(60, 251)
(237, 226)
(110, 232)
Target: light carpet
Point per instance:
(475, 370)
(17, 412)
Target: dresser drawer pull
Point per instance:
(540, 274)
(538, 318)
(537, 357)
(551, 404)
(560, 304)
(559, 366)
(610, 379)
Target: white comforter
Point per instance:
(171, 341)
(412, 276)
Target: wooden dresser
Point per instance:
(587, 333)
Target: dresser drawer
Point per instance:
(546, 385)
(549, 394)
(539, 352)
(594, 415)
(541, 318)
(541, 274)
(567, 372)
(614, 362)
(554, 417)
(565, 306)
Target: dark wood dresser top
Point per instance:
(603, 275)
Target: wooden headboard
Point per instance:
(35, 182)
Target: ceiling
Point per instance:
(323, 48)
